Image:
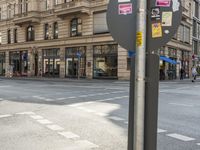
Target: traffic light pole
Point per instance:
(140, 63)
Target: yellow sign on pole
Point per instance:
(139, 41)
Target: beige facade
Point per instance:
(32, 49)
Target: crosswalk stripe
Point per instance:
(5, 116)
(181, 137)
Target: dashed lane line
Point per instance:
(55, 127)
(26, 113)
(185, 105)
(86, 144)
(69, 135)
(5, 116)
(181, 137)
(116, 118)
(161, 131)
(198, 144)
(44, 121)
(36, 117)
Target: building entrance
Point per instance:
(2, 64)
(75, 62)
(51, 63)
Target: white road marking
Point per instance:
(69, 135)
(26, 113)
(99, 100)
(178, 104)
(36, 117)
(161, 131)
(3, 86)
(116, 118)
(181, 137)
(62, 98)
(126, 122)
(48, 99)
(102, 114)
(55, 127)
(1, 99)
(198, 144)
(84, 144)
(86, 110)
(5, 116)
(44, 121)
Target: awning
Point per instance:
(169, 60)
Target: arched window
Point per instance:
(30, 33)
(76, 27)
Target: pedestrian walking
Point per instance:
(194, 73)
(182, 73)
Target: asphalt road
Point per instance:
(71, 115)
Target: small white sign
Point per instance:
(122, 1)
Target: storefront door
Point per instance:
(51, 67)
(2, 64)
(72, 67)
(75, 62)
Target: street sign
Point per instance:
(121, 20)
(163, 19)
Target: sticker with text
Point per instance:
(125, 9)
(167, 18)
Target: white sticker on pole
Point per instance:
(125, 9)
(122, 1)
(176, 5)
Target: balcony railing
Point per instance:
(27, 17)
(72, 7)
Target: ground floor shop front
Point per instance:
(102, 61)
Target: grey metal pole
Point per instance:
(139, 103)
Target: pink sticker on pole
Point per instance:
(163, 3)
(125, 9)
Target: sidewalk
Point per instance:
(81, 80)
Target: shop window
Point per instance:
(76, 27)
(105, 61)
(19, 63)
(30, 33)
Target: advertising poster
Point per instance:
(163, 3)
(156, 30)
(167, 18)
(125, 9)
